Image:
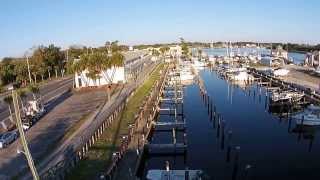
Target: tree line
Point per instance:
(50, 61)
(44, 61)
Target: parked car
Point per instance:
(27, 125)
(7, 138)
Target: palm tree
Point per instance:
(163, 50)
(80, 65)
(111, 62)
(34, 89)
(22, 94)
(199, 53)
(56, 70)
(49, 69)
(9, 101)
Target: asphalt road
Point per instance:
(47, 91)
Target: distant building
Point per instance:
(130, 48)
(313, 59)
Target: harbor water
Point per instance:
(267, 146)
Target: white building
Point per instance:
(114, 75)
(313, 59)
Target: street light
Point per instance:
(28, 65)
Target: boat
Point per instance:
(281, 72)
(235, 70)
(309, 117)
(286, 96)
(242, 76)
(198, 65)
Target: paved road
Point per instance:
(47, 91)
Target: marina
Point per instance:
(155, 90)
(226, 140)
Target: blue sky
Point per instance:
(28, 23)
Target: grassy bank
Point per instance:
(99, 155)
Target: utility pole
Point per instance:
(23, 140)
(29, 73)
(67, 55)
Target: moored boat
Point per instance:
(286, 96)
(309, 117)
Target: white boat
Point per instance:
(309, 117)
(198, 65)
(317, 71)
(235, 70)
(186, 75)
(242, 76)
(174, 174)
(281, 72)
(286, 96)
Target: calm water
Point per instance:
(298, 58)
(267, 142)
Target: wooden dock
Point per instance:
(312, 97)
(178, 148)
(168, 126)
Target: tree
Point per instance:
(114, 47)
(155, 52)
(34, 89)
(184, 48)
(22, 94)
(7, 74)
(94, 65)
(8, 101)
(21, 72)
(54, 58)
(199, 53)
(37, 62)
(42, 70)
(163, 50)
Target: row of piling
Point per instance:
(222, 133)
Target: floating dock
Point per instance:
(169, 148)
(174, 174)
(168, 126)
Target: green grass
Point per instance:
(99, 156)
